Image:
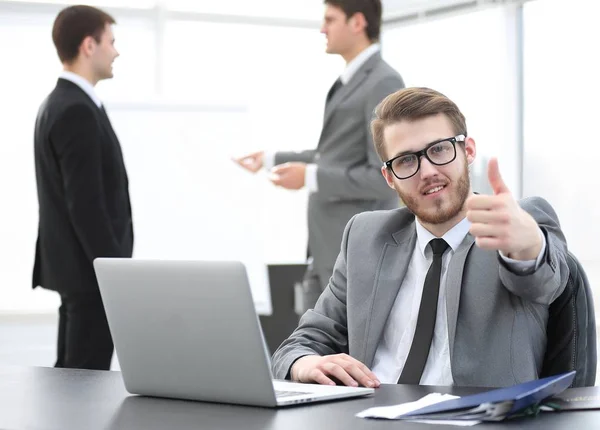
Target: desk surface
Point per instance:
(46, 398)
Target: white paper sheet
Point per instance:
(395, 411)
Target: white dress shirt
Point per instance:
(357, 62)
(400, 327)
(310, 176)
(82, 83)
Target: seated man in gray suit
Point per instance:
(453, 289)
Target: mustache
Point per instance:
(432, 184)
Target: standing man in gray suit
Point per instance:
(342, 173)
(452, 289)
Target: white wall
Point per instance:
(561, 120)
(469, 59)
(212, 91)
(18, 106)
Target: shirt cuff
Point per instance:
(310, 178)
(524, 266)
(268, 160)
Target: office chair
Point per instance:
(283, 321)
(571, 330)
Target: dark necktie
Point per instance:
(336, 86)
(419, 351)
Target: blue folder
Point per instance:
(513, 400)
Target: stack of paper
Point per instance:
(494, 405)
(398, 411)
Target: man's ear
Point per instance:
(359, 22)
(470, 150)
(87, 47)
(389, 177)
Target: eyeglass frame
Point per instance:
(423, 152)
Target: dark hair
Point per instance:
(412, 104)
(73, 24)
(371, 9)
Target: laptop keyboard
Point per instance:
(279, 393)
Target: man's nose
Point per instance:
(428, 169)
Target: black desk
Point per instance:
(60, 399)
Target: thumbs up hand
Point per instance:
(499, 223)
(496, 181)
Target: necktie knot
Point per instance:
(438, 246)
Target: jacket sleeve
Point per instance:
(307, 156)
(362, 181)
(322, 330)
(75, 138)
(543, 284)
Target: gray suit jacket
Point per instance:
(496, 318)
(348, 173)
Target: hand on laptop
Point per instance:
(349, 371)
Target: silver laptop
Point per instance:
(189, 330)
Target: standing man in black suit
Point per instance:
(84, 208)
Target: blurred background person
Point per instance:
(343, 172)
(82, 187)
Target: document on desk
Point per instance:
(574, 399)
(493, 405)
(396, 411)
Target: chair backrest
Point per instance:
(571, 330)
(283, 321)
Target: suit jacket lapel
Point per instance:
(107, 124)
(453, 286)
(389, 276)
(347, 89)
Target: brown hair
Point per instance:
(73, 24)
(411, 104)
(371, 9)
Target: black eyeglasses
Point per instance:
(440, 152)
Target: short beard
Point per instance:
(440, 216)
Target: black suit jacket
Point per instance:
(84, 207)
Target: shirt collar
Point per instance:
(359, 60)
(453, 237)
(82, 83)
